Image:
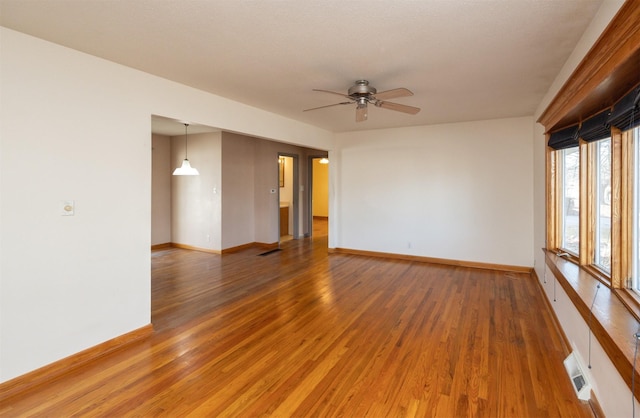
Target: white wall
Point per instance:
(196, 211)
(161, 190)
(457, 191)
(75, 127)
(238, 185)
(216, 210)
(267, 205)
(611, 391)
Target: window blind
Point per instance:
(565, 138)
(624, 115)
(596, 127)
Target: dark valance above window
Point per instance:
(624, 115)
(566, 138)
(596, 127)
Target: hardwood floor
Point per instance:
(300, 333)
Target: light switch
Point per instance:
(67, 207)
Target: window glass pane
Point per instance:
(570, 199)
(635, 265)
(602, 204)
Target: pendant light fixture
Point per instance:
(185, 169)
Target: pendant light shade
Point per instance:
(185, 169)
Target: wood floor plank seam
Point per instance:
(305, 333)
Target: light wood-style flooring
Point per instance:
(300, 333)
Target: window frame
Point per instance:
(635, 209)
(606, 73)
(561, 202)
(630, 204)
(621, 209)
(597, 203)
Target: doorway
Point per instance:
(287, 197)
(319, 195)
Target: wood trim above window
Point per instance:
(607, 72)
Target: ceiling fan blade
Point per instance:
(322, 107)
(333, 92)
(361, 113)
(398, 107)
(392, 94)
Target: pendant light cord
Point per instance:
(185, 141)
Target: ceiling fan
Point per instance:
(362, 94)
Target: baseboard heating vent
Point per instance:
(275, 250)
(578, 378)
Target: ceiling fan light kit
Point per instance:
(361, 93)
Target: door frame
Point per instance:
(310, 193)
(295, 198)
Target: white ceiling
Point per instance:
(463, 59)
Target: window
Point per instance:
(570, 200)
(600, 100)
(592, 208)
(602, 204)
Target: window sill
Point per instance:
(612, 322)
(630, 300)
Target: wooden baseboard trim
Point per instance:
(566, 345)
(161, 246)
(433, 260)
(21, 384)
(595, 406)
(261, 245)
(238, 248)
(191, 247)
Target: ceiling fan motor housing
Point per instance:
(361, 88)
